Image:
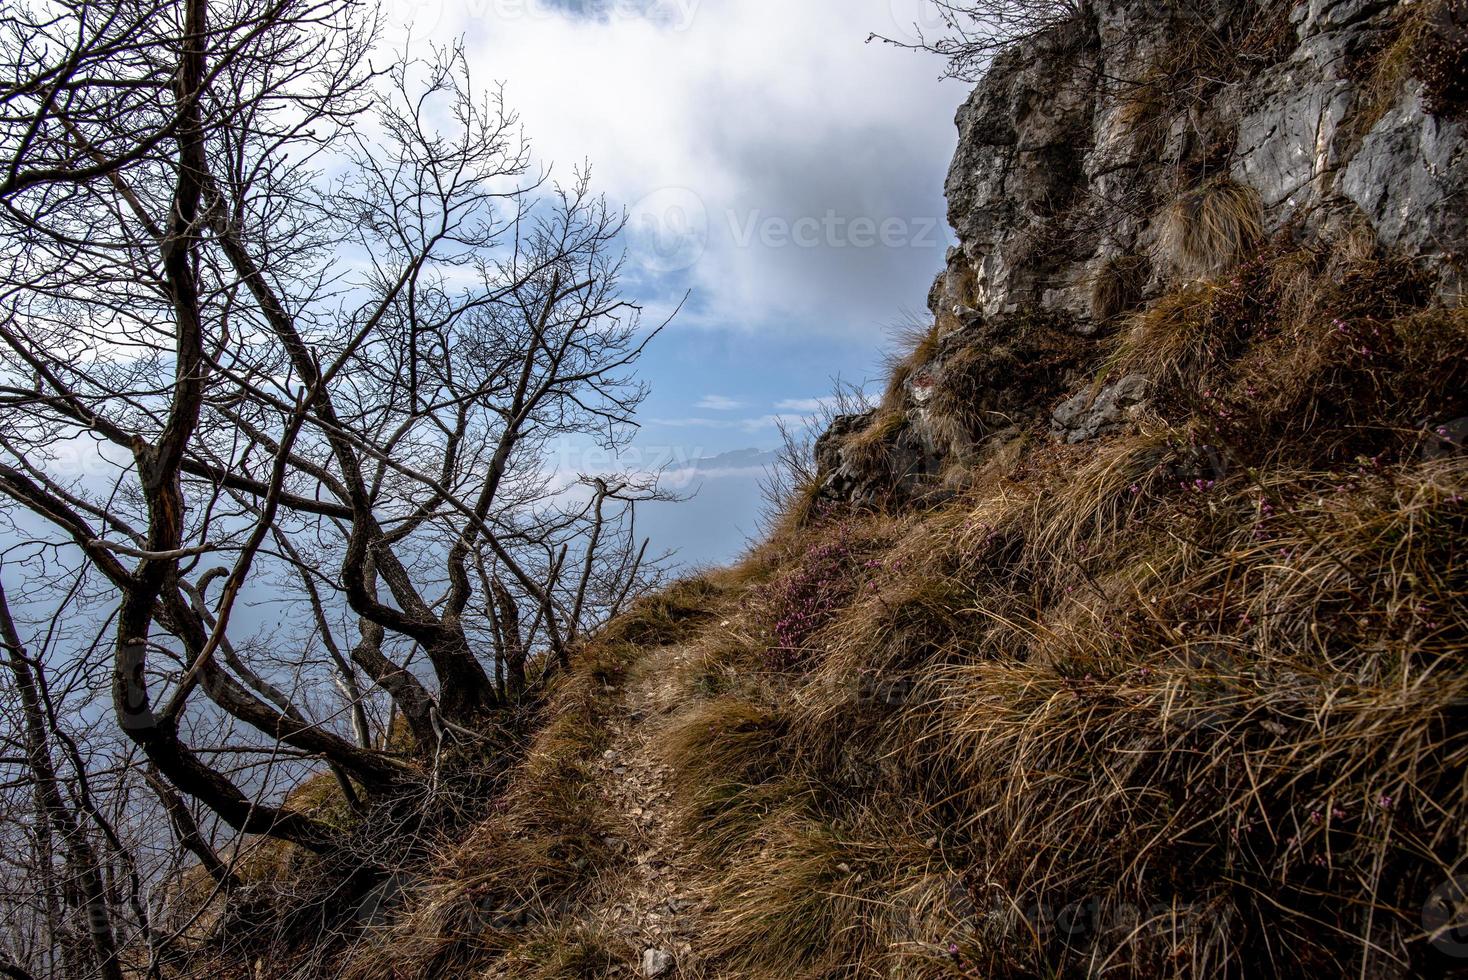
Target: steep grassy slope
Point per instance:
(1189, 700)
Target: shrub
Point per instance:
(973, 32)
(1428, 42)
(804, 600)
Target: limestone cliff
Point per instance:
(1092, 161)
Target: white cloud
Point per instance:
(763, 120)
(718, 403)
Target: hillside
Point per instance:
(1125, 636)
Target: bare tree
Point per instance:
(969, 33)
(56, 820)
(315, 331)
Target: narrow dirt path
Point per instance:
(649, 905)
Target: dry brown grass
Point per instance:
(1174, 341)
(998, 376)
(914, 348)
(1427, 43)
(812, 899)
(508, 892)
(1117, 287)
(662, 618)
(1187, 702)
(1208, 231)
(1242, 731)
(870, 450)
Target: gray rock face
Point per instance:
(1089, 415)
(1410, 179)
(1071, 147)
(906, 462)
(1076, 146)
(1287, 148)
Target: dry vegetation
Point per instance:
(1187, 702)
(1428, 43)
(1210, 230)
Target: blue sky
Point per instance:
(776, 168)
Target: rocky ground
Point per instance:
(647, 906)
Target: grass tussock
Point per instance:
(915, 348)
(563, 953)
(871, 449)
(1118, 286)
(664, 617)
(814, 899)
(1207, 231)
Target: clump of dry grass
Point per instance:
(1175, 341)
(725, 755)
(915, 346)
(871, 449)
(562, 953)
(1118, 286)
(811, 898)
(1208, 231)
(663, 617)
(1303, 356)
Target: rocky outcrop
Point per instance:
(1091, 414)
(1324, 118)
(1073, 146)
(867, 459)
